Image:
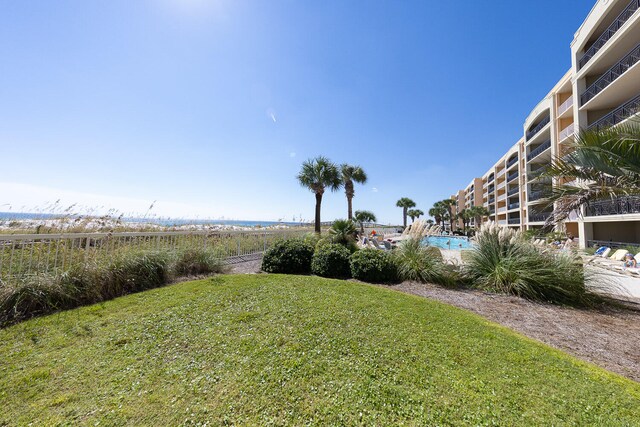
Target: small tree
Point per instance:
(364, 216)
(405, 203)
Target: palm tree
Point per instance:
(343, 231)
(477, 212)
(405, 203)
(465, 217)
(364, 216)
(414, 213)
(604, 164)
(351, 174)
(449, 204)
(316, 175)
(439, 212)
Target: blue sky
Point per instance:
(209, 107)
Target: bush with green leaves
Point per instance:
(331, 260)
(291, 256)
(373, 266)
(502, 260)
(196, 261)
(423, 264)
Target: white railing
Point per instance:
(565, 105)
(502, 209)
(567, 132)
(26, 254)
(502, 172)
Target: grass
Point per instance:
(293, 350)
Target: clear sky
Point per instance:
(210, 107)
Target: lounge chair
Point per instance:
(618, 255)
(378, 245)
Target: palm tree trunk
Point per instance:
(318, 204)
(404, 217)
(349, 207)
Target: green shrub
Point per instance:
(345, 233)
(191, 262)
(423, 264)
(331, 260)
(503, 261)
(134, 272)
(291, 256)
(373, 266)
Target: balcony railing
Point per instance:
(611, 75)
(618, 115)
(513, 191)
(512, 162)
(539, 217)
(566, 132)
(492, 199)
(537, 195)
(514, 221)
(619, 206)
(566, 104)
(514, 205)
(512, 176)
(491, 178)
(538, 127)
(609, 32)
(539, 150)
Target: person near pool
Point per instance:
(630, 261)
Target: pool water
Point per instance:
(447, 242)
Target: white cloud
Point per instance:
(374, 189)
(271, 113)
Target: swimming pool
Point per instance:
(447, 242)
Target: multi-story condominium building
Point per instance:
(601, 89)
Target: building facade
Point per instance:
(601, 89)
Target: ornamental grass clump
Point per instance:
(195, 261)
(423, 264)
(134, 272)
(502, 260)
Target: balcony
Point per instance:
(492, 199)
(502, 172)
(512, 162)
(538, 127)
(492, 211)
(491, 188)
(490, 178)
(539, 150)
(564, 107)
(514, 205)
(566, 132)
(611, 75)
(514, 221)
(512, 176)
(513, 191)
(537, 195)
(619, 206)
(502, 209)
(618, 115)
(539, 217)
(609, 32)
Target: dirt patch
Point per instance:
(245, 267)
(609, 338)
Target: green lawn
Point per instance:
(273, 350)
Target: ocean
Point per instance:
(167, 222)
